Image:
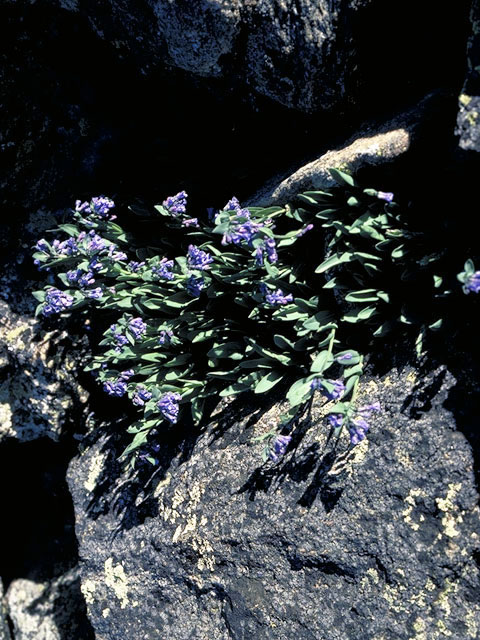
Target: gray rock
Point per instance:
(377, 542)
(468, 119)
(46, 610)
(373, 146)
(38, 385)
(4, 629)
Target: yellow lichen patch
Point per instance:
(446, 505)
(15, 333)
(464, 99)
(411, 502)
(87, 587)
(116, 579)
(95, 472)
(411, 377)
(420, 628)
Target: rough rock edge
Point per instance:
(372, 147)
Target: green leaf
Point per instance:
(268, 381)
(363, 314)
(39, 295)
(299, 392)
(364, 295)
(282, 342)
(435, 326)
(71, 229)
(321, 362)
(342, 178)
(335, 260)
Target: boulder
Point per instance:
(330, 543)
(373, 146)
(39, 389)
(49, 610)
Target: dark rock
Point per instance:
(468, 120)
(378, 542)
(145, 97)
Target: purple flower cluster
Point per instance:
(269, 248)
(279, 447)
(305, 230)
(137, 327)
(56, 301)
(335, 420)
(135, 266)
(276, 298)
(163, 269)
(359, 426)
(120, 339)
(242, 228)
(116, 256)
(198, 259)
(95, 294)
(385, 195)
(195, 285)
(190, 222)
(473, 283)
(116, 388)
(165, 336)
(168, 406)
(141, 396)
(67, 247)
(99, 206)
(176, 204)
(336, 393)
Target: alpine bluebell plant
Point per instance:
(238, 300)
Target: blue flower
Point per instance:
(99, 205)
(163, 269)
(335, 420)
(120, 339)
(42, 246)
(168, 406)
(359, 426)
(279, 447)
(137, 327)
(126, 375)
(336, 393)
(116, 256)
(165, 337)
(141, 396)
(473, 283)
(198, 259)
(195, 285)
(345, 357)
(95, 294)
(115, 388)
(134, 266)
(176, 204)
(385, 195)
(271, 250)
(277, 298)
(56, 301)
(66, 247)
(191, 222)
(305, 230)
(232, 205)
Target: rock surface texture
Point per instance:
(379, 542)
